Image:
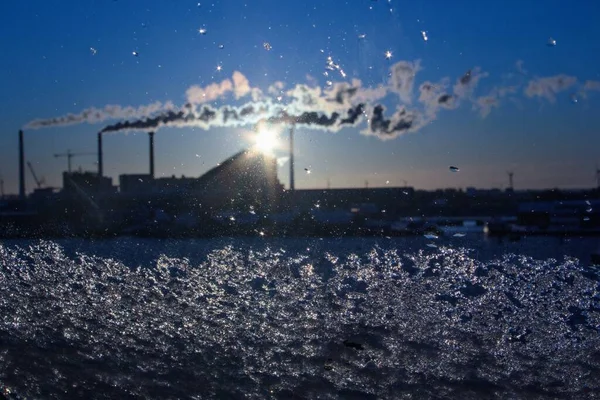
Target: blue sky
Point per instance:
(49, 70)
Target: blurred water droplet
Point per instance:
(307, 170)
(93, 51)
(551, 42)
(329, 83)
(459, 235)
(279, 98)
(232, 218)
(424, 34)
(387, 182)
(589, 210)
(431, 236)
(453, 168)
(432, 245)
(202, 31)
(362, 36)
(135, 53)
(574, 98)
(586, 218)
(221, 46)
(267, 46)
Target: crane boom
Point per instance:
(70, 155)
(38, 182)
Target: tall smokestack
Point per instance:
(100, 156)
(151, 136)
(292, 158)
(21, 167)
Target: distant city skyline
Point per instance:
(379, 91)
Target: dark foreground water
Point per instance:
(299, 318)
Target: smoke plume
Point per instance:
(331, 108)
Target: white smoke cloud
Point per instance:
(492, 100)
(330, 108)
(591, 86)
(466, 84)
(96, 115)
(198, 95)
(402, 79)
(548, 87)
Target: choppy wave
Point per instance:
(281, 323)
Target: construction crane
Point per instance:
(38, 182)
(70, 155)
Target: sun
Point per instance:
(265, 140)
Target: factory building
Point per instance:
(87, 182)
(247, 178)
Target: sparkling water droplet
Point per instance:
(453, 168)
(135, 53)
(93, 51)
(424, 34)
(267, 46)
(232, 218)
(551, 42)
(202, 31)
(388, 54)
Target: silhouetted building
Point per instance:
(247, 178)
(135, 184)
(87, 182)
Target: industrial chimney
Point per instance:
(100, 166)
(21, 167)
(292, 158)
(151, 136)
